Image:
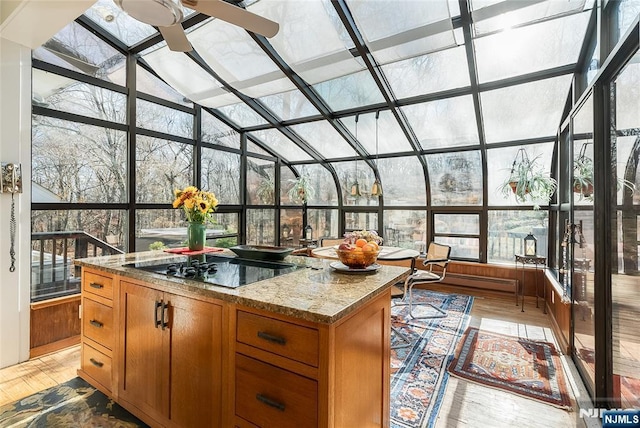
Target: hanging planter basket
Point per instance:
(527, 182)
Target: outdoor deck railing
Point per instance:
(52, 256)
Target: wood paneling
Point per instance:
(55, 324)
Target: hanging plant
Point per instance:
(265, 190)
(528, 182)
(583, 176)
(301, 190)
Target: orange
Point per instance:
(368, 248)
(374, 244)
(360, 242)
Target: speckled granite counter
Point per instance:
(317, 293)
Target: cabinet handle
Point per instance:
(155, 313)
(95, 285)
(96, 323)
(272, 338)
(269, 402)
(164, 324)
(96, 363)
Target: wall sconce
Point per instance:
(530, 245)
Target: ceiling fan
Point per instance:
(167, 16)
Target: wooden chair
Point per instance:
(437, 255)
(330, 242)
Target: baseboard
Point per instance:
(38, 351)
(482, 282)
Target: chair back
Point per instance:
(439, 252)
(330, 242)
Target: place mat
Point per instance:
(529, 368)
(186, 252)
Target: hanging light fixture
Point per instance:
(355, 187)
(376, 189)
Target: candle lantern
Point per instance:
(530, 245)
(308, 233)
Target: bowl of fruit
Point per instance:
(358, 255)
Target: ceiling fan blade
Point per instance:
(235, 15)
(176, 38)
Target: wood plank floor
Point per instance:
(464, 405)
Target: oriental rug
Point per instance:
(418, 372)
(71, 404)
(525, 367)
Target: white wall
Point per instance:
(15, 147)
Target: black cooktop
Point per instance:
(231, 272)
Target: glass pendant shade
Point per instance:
(376, 189)
(355, 190)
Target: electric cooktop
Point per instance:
(231, 272)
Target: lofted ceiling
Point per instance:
(419, 76)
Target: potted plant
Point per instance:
(301, 190)
(265, 190)
(528, 182)
(583, 178)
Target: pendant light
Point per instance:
(376, 189)
(355, 187)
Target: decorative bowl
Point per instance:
(357, 259)
(261, 252)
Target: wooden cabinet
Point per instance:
(97, 329)
(171, 350)
(293, 373)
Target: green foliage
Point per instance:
(527, 182)
(158, 245)
(301, 191)
(226, 242)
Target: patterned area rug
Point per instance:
(525, 367)
(419, 375)
(72, 404)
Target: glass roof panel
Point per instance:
(289, 105)
(402, 180)
(280, 144)
(237, 59)
(77, 49)
(163, 119)
(128, 30)
(456, 178)
(150, 84)
(217, 132)
(185, 76)
(524, 111)
(325, 139)
(242, 115)
(317, 55)
(404, 28)
(490, 15)
(391, 139)
(532, 48)
(448, 122)
(446, 69)
(254, 148)
(354, 90)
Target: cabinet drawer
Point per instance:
(97, 322)
(272, 397)
(101, 285)
(97, 365)
(289, 340)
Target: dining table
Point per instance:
(387, 253)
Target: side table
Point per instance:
(536, 260)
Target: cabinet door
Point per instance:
(144, 369)
(196, 362)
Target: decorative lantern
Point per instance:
(308, 233)
(530, 245)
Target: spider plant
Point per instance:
(528, 182)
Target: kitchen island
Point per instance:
(304, 349)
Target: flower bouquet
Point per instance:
(199, 206)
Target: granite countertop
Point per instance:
(316, 293)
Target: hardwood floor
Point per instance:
(464, 405)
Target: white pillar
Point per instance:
(15, 147)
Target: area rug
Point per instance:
(419, 376)
(525, 367)
(72, 404)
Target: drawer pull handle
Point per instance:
(156, 318)
(96, 323)
(269, 402)
(96, 363)
(272, 338)
(95, 285)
